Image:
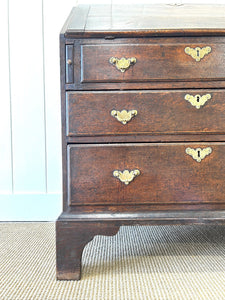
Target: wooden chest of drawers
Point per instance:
(143, 121)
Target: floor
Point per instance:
(146, 262)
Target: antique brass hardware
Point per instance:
(123, 116)
(197, 100)
(197, 53)
(69, 61)
(126, 176)
(198, 154)
(123, 63)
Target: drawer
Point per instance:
(164, 173)
(146, 112)
(171, 59)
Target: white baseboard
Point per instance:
(30, 207)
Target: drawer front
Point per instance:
(162, 173)
(145, 112)
(169, 60)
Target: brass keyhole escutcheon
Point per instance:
(197, 101)
(198, 154)
(197, 53)
(126, 176)
(123, 63)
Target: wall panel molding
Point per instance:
(27, 95)
(6, 184)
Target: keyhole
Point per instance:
(198, 153)
(198, 98)
(197, 52)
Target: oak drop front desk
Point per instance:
(143, 121)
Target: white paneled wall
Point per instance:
(27, 96)
(30, 135)
(5, 111)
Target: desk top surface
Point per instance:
(145, 20)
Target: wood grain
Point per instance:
(168, 67)
(168, 174)
(172, 187)
(155, 62)
(146, 20)
(71, 238)
(158, 112)
(146, 138)
(73, 232)
(145, 216)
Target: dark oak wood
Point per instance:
(155, 62)
(146, 138)
(145, 217)
(74, 231)
(145, 20)
(161, 63)
(172, 188)
(168, 174)
(69, 64)
(167, 112)
(71, 238)
(144, 85)
(140, 210)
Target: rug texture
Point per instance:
(146, 262)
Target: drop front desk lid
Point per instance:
(145, 20)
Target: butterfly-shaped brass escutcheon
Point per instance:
(123, 116)
(198, 154)
(197, 101)
(197, 53)
(126, 176)
(123, 63)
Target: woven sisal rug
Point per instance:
(164, 262)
